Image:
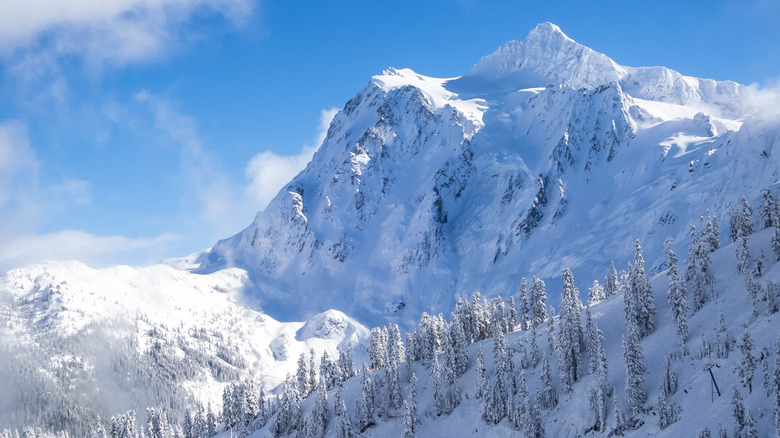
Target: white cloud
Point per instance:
(96, 251)
(268, 172)
(106, 31)
(767, 100)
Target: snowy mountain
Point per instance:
(545, 155)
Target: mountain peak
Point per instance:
(547, 31)
(549, 55)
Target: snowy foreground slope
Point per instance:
(130, 338)
(546, 155)
(697, 406)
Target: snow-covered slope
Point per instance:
(696, 399)
(198, 331)
(547, 154)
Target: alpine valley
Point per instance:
(429, 200)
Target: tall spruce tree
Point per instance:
(511, 315)
(548, 396)
(635, 368)
(344, 427)
(644, 305)
(743, 255)
(538, 301)
(768, 210)
(525, 310)
(676, 295)
(482, 384)
(611, 281)
(747, 366)
(740, 224)
(569, 333)
(394, 351)
(459, 345)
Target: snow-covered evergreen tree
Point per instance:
(746, 367)
(710, 235)
(759, 265)
(590, 340)
(511, 314)
(395, 352)
(449, 387)
(745, 423)
(438, 391)
(776, 244)
(538, 301)
(690, 270)
(525, 310)
(596, 293)
(642, 299)
(740, 224)
(635, 368)
(743, 255)
(611, 281)
(344, 426)
(768, 209)
(551, 336)
(123, 425)
(211, 421)
(533, 358)
(770, 296)
(498, 315)
(289, 416)
(482, 383)
(548, 396)
(603, 390)
(668, 377)
(459, 345)
(346, 366)
(321, 413)
(366, 403)
(676, 295)
(410, 425)
(376, 349)
(723, 339)
(569, 334)
(302, 376)
(767, 381)
(668, 412)
(313, 380)
(698, 271)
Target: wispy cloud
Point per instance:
(227, 204)
(268, 172)
(220, 203)
(106, 31)
(96, 251)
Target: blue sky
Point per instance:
(132, 130)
